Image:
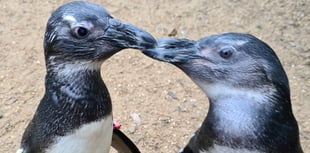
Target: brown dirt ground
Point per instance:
(169, 105)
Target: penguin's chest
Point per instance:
(94, 137)
(225, 149)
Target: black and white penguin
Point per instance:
(250, 108)
(75, 114)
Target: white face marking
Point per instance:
(224, 149)
(230, 41)
(74, 23)
(70, 19)
(70, 69)
(222, 91)
(94, 137)
(67, 69)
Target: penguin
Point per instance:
(248, 90)
(75, 113)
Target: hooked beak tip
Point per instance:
(173, 50)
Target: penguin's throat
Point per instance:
(236, 112)
(65, 69)
(78, 80)
(237, 118)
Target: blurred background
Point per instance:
(157, 104)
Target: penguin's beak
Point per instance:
(174, 50)
(124, 35)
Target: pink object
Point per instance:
(116, 125)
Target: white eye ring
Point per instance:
(81, 29)
(80, 32)
(226, 52)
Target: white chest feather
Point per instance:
(224, 149)
(91, 138)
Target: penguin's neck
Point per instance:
(236, 118)
(258, 120)
(77, 107)
(237, 114)
(77, 86)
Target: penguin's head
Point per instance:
(233, 60)
(86, 31)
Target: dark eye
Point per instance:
(80, 32)
(226, 52)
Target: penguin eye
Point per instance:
(80, 32)
(226, 52)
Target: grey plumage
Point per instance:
(248, 90)
(79, 37)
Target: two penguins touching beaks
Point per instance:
(247, 87)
